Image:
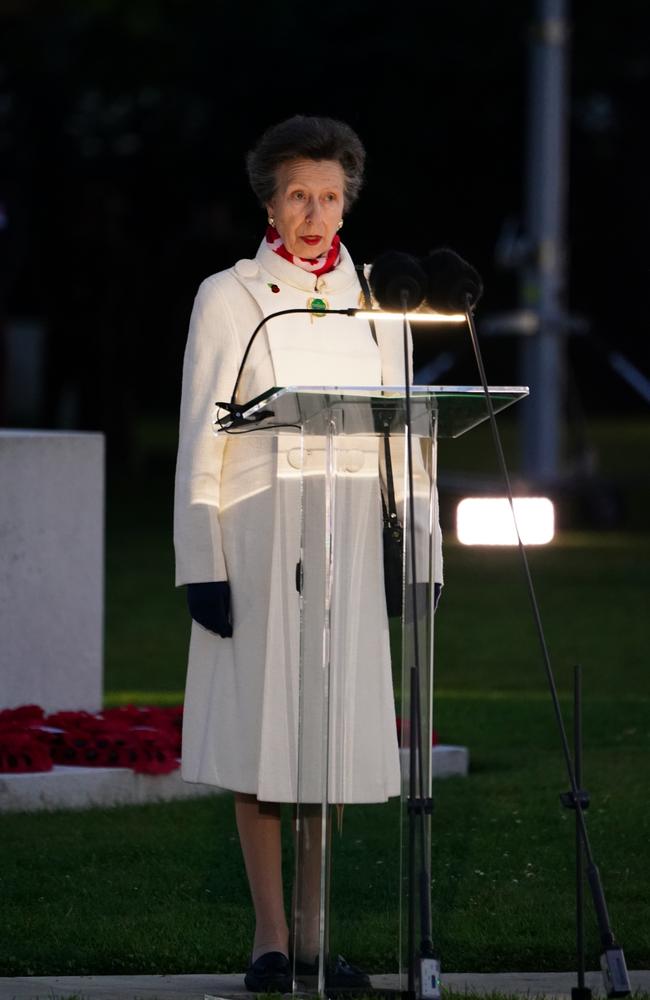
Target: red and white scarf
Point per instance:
(316, 265)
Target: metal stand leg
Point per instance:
(424, 963)
(579, 992)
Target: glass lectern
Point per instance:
(361, 674)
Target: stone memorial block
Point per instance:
(51, 569)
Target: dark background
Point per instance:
(123, 130)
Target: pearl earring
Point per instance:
(340, 224)
(271, 221)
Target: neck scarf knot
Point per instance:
(317, 266)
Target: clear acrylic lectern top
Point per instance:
(458, 408)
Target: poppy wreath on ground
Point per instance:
(21, 752)
(24, 715)
(146, 740)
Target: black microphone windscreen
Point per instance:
(397, 281)
(450, 281)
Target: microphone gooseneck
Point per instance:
(450, 281)
(233, 408)
(398, 282)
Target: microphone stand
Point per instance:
(422, 960)
(612, 959)
(579, 992)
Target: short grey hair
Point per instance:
(309, 138)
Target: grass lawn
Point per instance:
(161, 889)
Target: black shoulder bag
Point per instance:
(393, 531)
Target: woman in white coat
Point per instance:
(235, 526)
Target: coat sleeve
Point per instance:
(210, 367)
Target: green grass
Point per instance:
(593, 595)
(161, 889)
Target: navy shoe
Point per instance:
(340, 975)
(270, 973)
(343, 976)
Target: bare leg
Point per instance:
(258, 824)
(307, 900)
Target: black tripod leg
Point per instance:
(579, 992)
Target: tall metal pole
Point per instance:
(543, 279)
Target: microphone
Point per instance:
(398, 281)
(450, 280)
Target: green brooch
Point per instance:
(318, 306)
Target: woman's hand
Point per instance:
(209, 605)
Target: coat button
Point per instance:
(353, 461)
(246, 268)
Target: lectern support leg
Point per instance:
(423, 964)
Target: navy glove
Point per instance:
(209, 605)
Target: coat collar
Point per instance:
(341, 278)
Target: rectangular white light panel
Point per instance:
(489, 521)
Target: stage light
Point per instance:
(426, 316)
(489, 521)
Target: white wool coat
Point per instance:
(237, 518)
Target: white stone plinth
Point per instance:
(85, 787)
(447, 761)
(51, 569)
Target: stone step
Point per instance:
(200, 986)
(84, 787)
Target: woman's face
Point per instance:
(308, 205)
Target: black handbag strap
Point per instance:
(390, 508)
